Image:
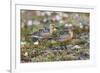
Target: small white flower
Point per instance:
(81, 26)
(70, 25)
(36, 43)
(61, 21)
(66, 25)
(23, 44)
(55, 29)
(77, 15)
(26, 54)
(29, 23)
(58, 18)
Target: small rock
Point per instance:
(69, 46)
(76, 47)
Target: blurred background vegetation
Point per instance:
(43, 32)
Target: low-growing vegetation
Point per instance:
(54, 36)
